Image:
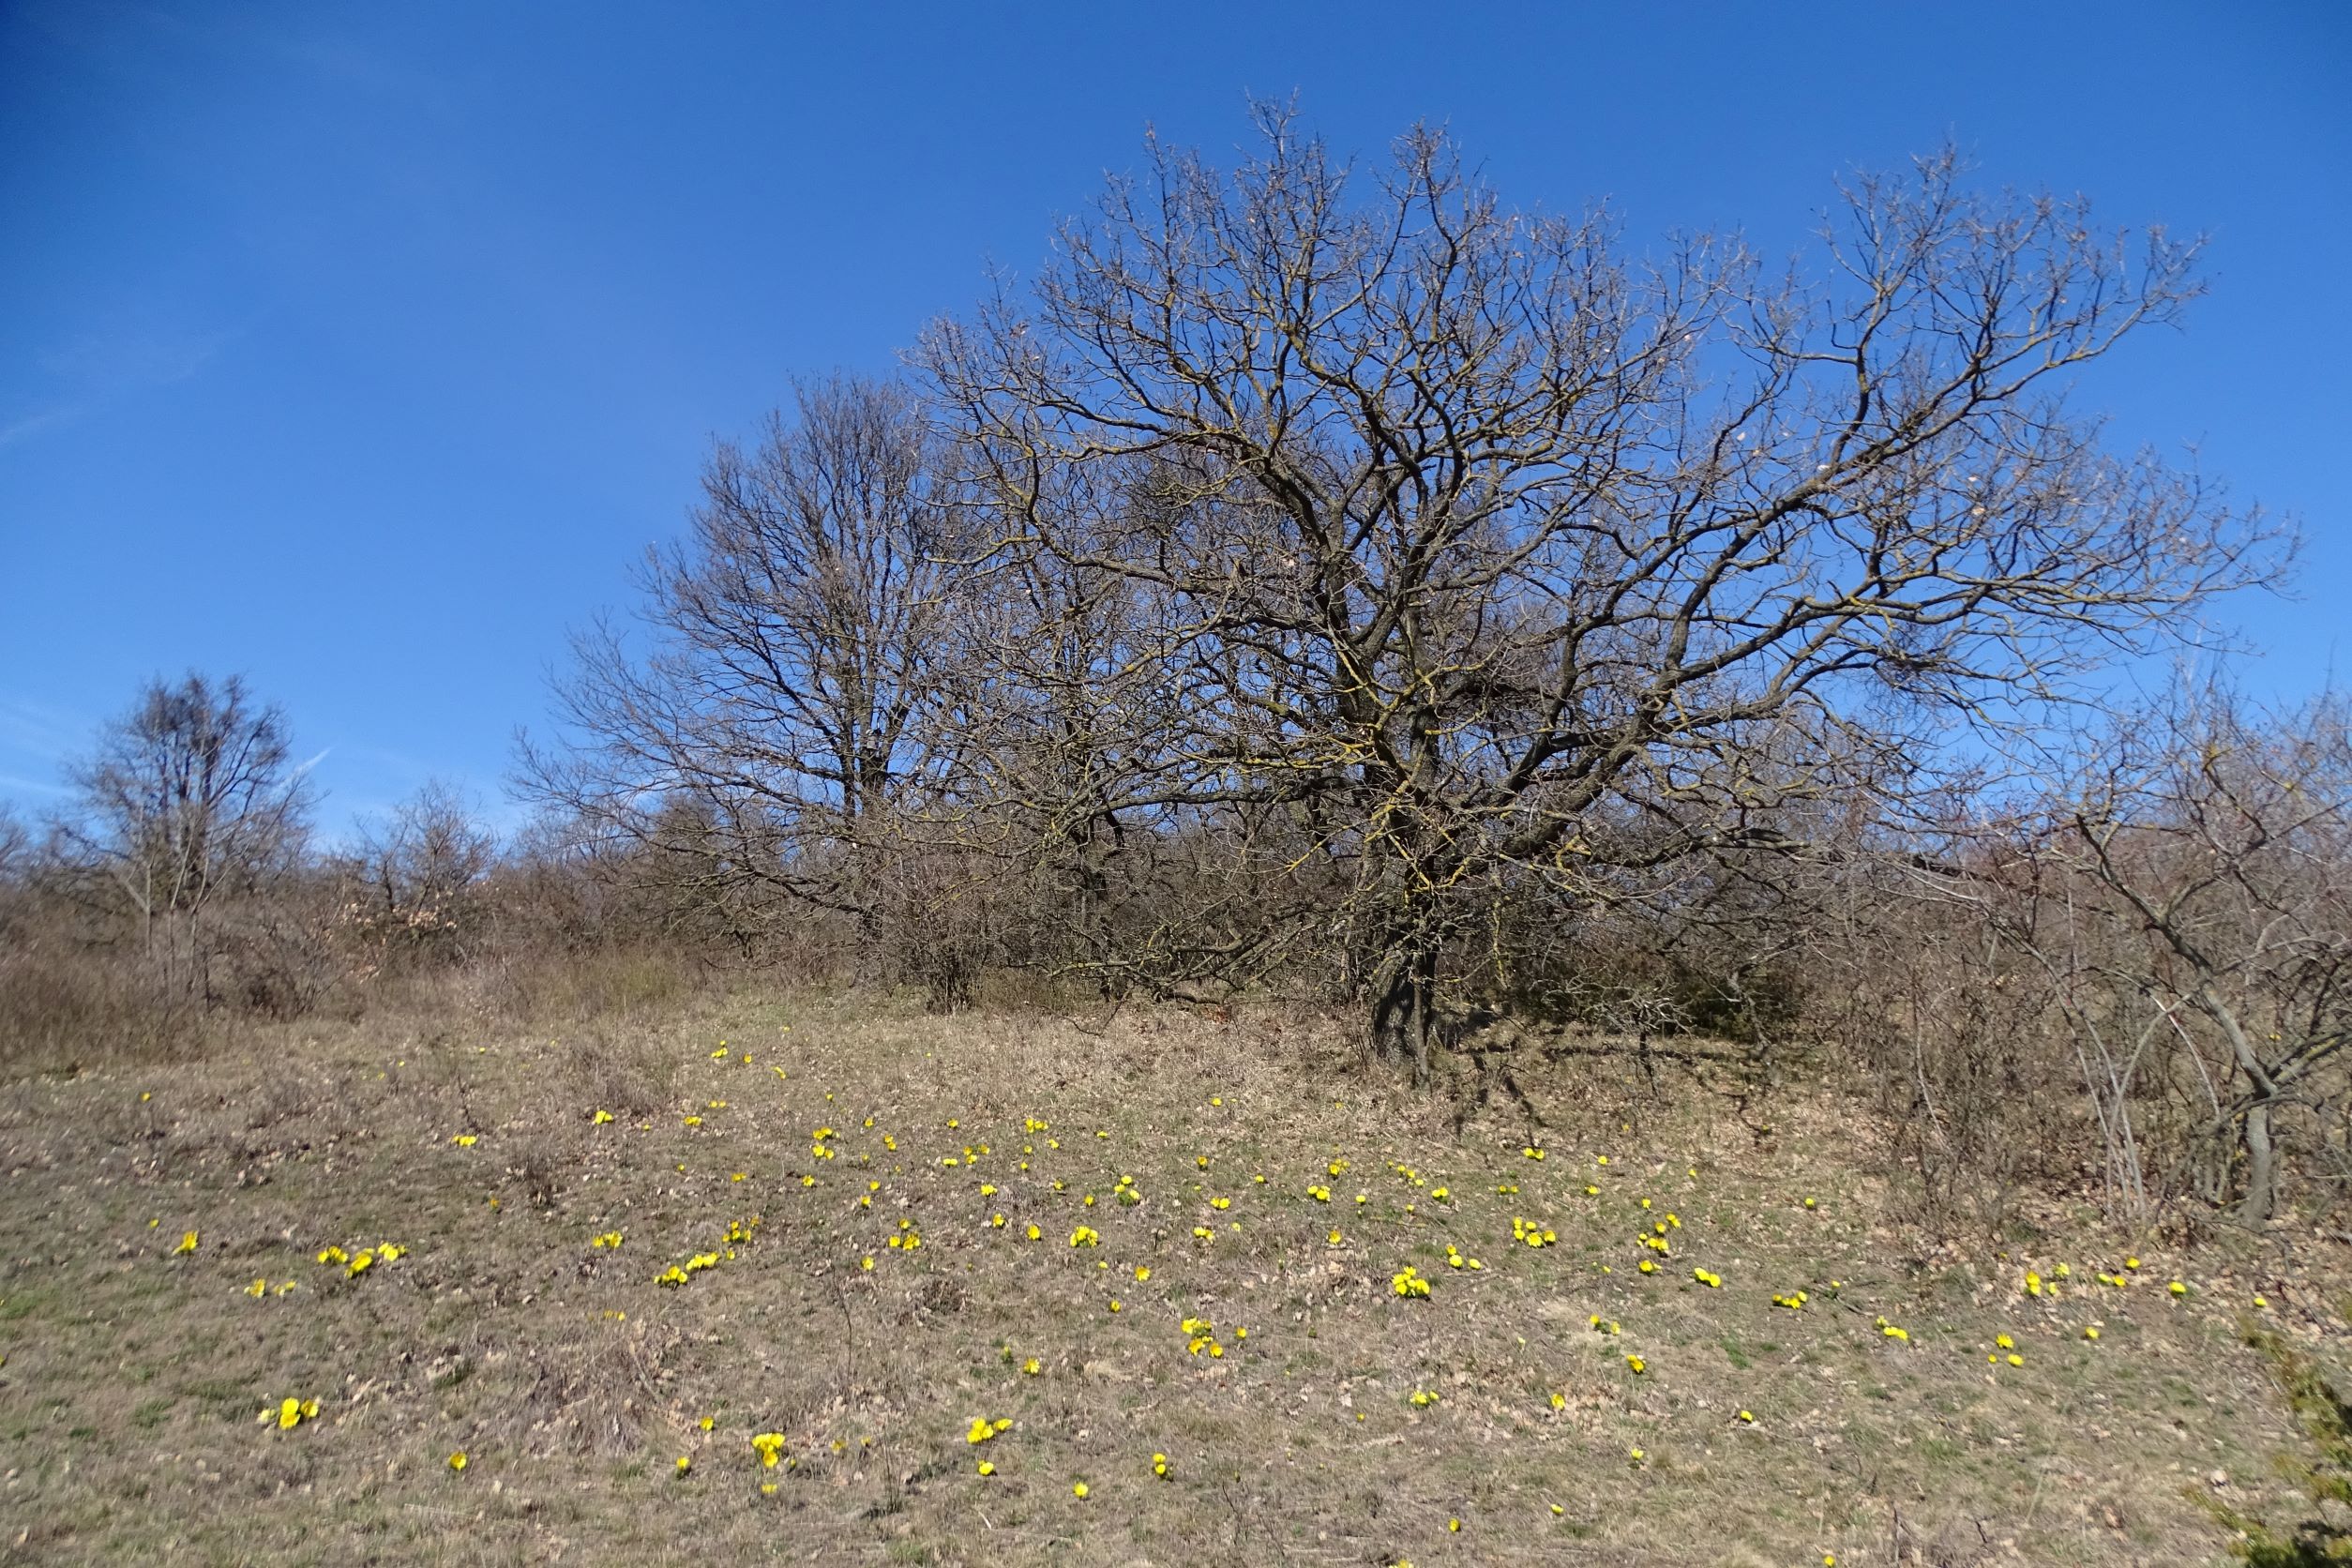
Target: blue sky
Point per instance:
(362, 349)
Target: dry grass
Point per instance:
(573, 1381)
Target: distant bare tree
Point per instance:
(1472, 557)
(414, 880)
(190, 800)
(774, 714)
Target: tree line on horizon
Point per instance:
(1329, 584)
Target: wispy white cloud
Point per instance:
(89, 370)
(32, 786)
(126, 357)
(32, 729)
(33, 424)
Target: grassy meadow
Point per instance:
(805, 1280)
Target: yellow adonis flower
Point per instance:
(456, 1460)
(986, 1469)
(463, 1141)
(770, 1447)
(334, 1254)
(600, 1118)
(290, 1412)
(1078, 1490)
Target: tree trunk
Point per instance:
(1404, 1005)
(2261, 1199)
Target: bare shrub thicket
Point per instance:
(2126, 983)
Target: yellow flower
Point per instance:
(986, 1469)
(686, 1463)
(1032, 1367)
(600, 1118)
(463, 1141)
(187, 1244)
(1078, 1490)
(1142, 1271)
(770, 1448)
(259, 1289)
(456, 1460)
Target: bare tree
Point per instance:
(414, 882)
(190, 800)
(1479, 556)
(775, 716)
(2206, 929)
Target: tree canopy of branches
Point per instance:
(1461, 556)
(1337, 574)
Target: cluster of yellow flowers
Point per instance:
(359, 1263)
(290, 1412)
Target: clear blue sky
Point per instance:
(362, 348)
